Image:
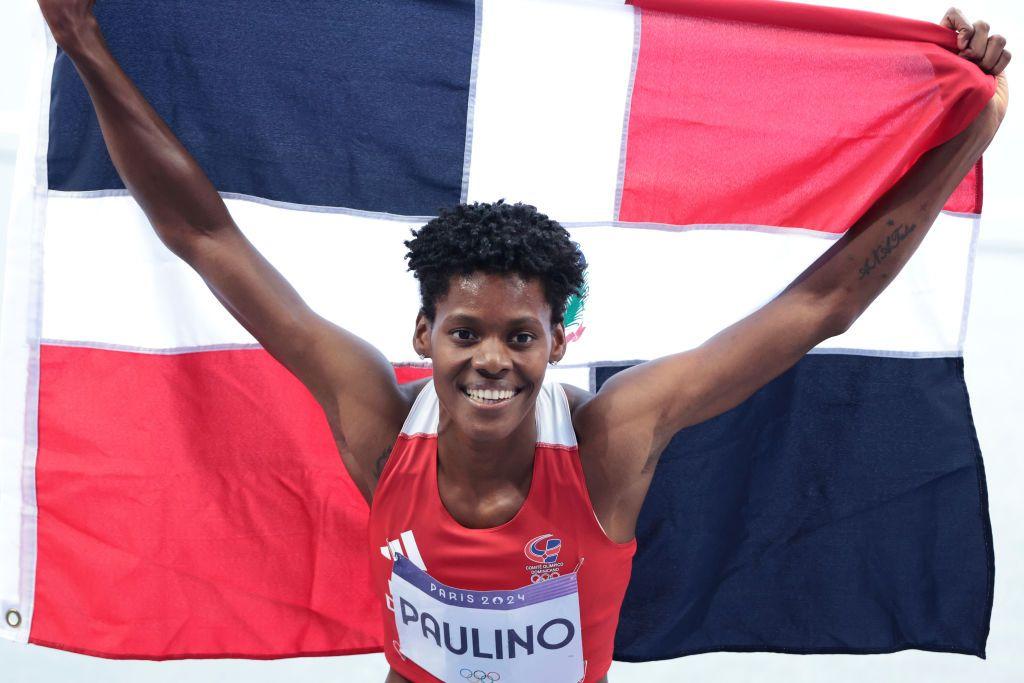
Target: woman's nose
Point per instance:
(492, 357)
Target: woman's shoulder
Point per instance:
(411, 391)
(577, 397)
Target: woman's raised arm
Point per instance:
(350, 378)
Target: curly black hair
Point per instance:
(496, 238)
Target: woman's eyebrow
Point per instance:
(473, 320)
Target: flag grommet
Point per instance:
(13, 618)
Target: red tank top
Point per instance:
(551, 534)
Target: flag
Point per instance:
(168, 490)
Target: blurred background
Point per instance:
(995, 375)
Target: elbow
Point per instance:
(185, 242)
(182, 248)
(837, 318)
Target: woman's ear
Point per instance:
(558, 343)
(421, 335)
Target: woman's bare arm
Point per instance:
(630, 421)
(347, 375)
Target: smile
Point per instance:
(490, 397)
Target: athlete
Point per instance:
(503, 506)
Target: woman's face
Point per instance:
(491, 333)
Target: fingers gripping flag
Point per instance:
(168, 490)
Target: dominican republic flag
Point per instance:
(168, 490)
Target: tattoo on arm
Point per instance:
(883, 250)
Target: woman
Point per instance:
(503, 506)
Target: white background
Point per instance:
(995, 374)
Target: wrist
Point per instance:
(982, 130)
(977, 137)
(77, 37)
(965, 149)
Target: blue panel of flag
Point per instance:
(371, 114)
(842, 508)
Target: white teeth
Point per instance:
(490, 394)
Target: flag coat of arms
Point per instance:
(168, 490)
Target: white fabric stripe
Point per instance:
(578, 376)
(621, 177)
(732, 227)
(554, 425)
(110, 282)
(471, 104)
(975, 234)
(19, 350)
(104, 346)
(671, 227)
(312, 208)
(395, 547)
(880, 353)
(653, 293)
(412, 551)
(424, 415)
(558, 147)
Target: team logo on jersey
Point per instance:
(542, 551)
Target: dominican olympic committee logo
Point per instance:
(543, 548)
(542, 551)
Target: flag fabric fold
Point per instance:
(168, 490)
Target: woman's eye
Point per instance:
(463, 335)
(524, 338)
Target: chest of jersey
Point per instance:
(528, 592)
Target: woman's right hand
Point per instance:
(68, 19)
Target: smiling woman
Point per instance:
(491, 340)
(494, 283)
(490, 454)
(488, 383)
(497, 482)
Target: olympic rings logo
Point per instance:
(544, 576)
(479, 675)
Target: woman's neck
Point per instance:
(485, 484)
(481, 464)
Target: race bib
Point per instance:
(526, 634)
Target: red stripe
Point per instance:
(410, 373)
(968, 195)
(732, 121)
(194, 504)
(806, 17)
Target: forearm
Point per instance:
(172, 189)
(862, 263)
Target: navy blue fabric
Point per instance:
(842, 508)
(339, 103)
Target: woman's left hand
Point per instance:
(977, 43)
(987, 50)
